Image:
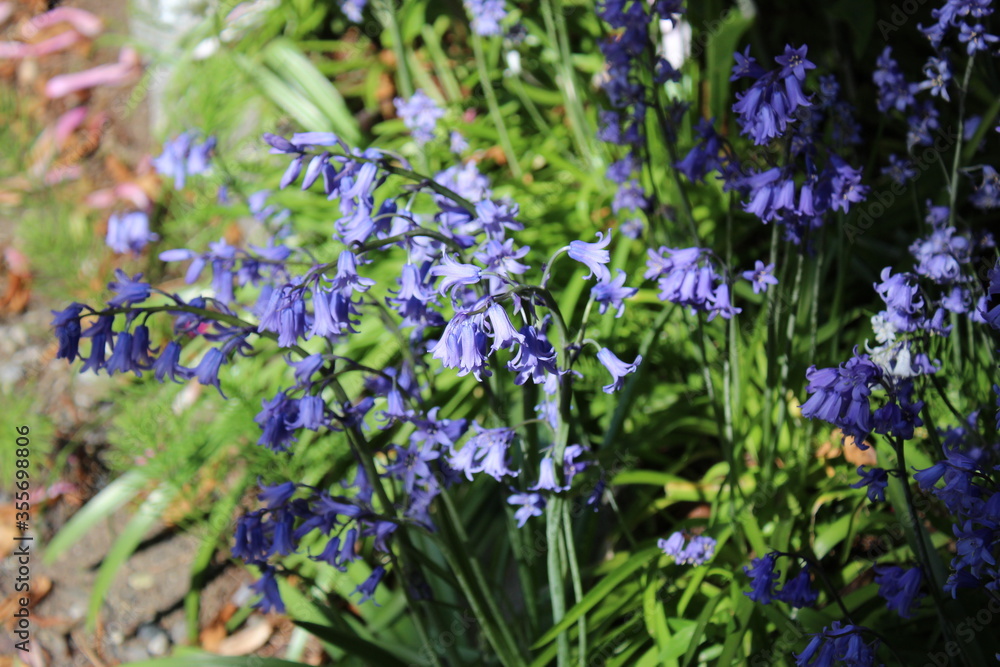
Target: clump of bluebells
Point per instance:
(464, 298)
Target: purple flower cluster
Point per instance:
(973, 503)
(697, 550)
(459, 291)
(838, 644)
(768, 107)
(487, 16)
(184, 156)
(685, 276)
(797, 591)
(420, 114)
(129, 232)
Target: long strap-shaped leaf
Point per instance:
(113, 496)
(604, 587)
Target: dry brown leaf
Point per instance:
(211, 637)
(857, 456)
(247, 640)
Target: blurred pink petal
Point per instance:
(124, 71)
(59, 42)
(16, 261)
(14, 50)
(60, 174)
(6, 9)
(67, 124)
(104, 198)
(134, 194)
(83, 22)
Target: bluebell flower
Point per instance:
(501, 329)
(534, 358)
(207, 370)
(306, 367)
(876, 480)
(893, 90)
(415, 300)
(938, 75)
(901, 295)
(921, 123)
(629, 195)
(368, 586)
(529, 505)
(612, 293)
(761, 276)
(673, 545)
(67, 330)
(846, 186)
(267, 587)
(455, 274)
(420, 114)
(547, 477)
(141, 350)
(502, 259)
(769, 106)
(130, 291)
(347, 280)
(100, 333)
(492, 445)
(457, 143)
(632, 228)
(838, 644)
(593, 255)
(276, 495)
(487, 15)
(352, 9)
(899, 588)
(991, 313)
(312, 413)
(121, 357)
(463, 345)
(275, 420)
(129, 232)
(497, 217)
(681, 277)
(720, 303)
(572, 467)
(900, 170)
(250, 544)
(762, 578)
(168, 364)
(698, 551)
(840, 396)
(285, 315)
(798, 591)
(282, 542)
(986, 194)
(464, 180)
(618, 369)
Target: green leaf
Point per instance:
(101, 506)
(294, 69)
(135, 530)
(353, 645)
(596, 594)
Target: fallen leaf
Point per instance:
(247, 640)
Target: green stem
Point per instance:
(555, 26)
(387, 16)
(491, 102)
(574, 572)
(957, 160)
